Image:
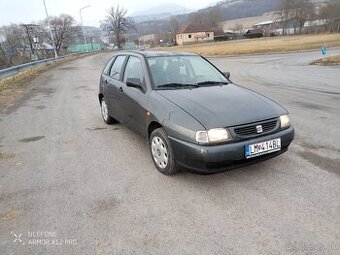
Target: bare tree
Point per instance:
(174, 25)
(331, 11)
(64, 29)
(19, 42)
(303, 11)
(174, 28)
(285, 13)
(14, 44)
(3, 56)
(41, 38)
(296, 13)
(118, 24)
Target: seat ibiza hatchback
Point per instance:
(192, 114)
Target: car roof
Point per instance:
(158, 53)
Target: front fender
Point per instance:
(177, 123)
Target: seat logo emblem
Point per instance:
(259, 129)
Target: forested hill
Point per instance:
(234, 9)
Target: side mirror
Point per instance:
(134, 83)
(226, 74)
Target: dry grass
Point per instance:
(25, 76)
(333, 60)
(262, 45)
(9, 216)
(4, 156)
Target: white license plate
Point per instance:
(258, 149)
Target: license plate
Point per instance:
(258, 149)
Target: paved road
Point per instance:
(93, 189)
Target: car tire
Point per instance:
(105, 112)
(162, 153)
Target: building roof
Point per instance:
(195, 28)
(264, 23)
(254, 31)
(249, 21)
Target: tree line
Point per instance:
(21, 43)
(298, 12)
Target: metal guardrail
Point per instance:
(11, 71)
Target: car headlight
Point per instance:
(285, 121)
(216, 135)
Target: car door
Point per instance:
(113, 88)
(135, 100)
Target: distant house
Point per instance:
(149, 38)
(266, 27)
(195, 33)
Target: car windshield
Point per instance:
(175, 72)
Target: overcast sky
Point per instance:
(25, 11)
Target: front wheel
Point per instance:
(161, 152)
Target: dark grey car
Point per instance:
(192, 114)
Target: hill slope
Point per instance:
(154, 13)
(234, 9)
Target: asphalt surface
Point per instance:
(69, 184)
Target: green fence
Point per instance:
(90, 47)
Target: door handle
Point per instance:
(121, 90)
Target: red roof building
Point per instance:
(195, 33)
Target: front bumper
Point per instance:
(219, 158)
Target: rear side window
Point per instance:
(108, 66)
(117, 67)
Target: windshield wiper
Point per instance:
(178, 85)
(212, 83)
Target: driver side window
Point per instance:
(134, 70)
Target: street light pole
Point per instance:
(50, 30)
(82, 24)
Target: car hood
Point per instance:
(223, 106)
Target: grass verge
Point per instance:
(261, 45)
(329, 61)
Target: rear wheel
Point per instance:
(161, 152)
(105, 113)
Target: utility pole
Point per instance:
(50, 30)
(28, 29)
(82, 25)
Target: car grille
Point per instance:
(250, 130)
